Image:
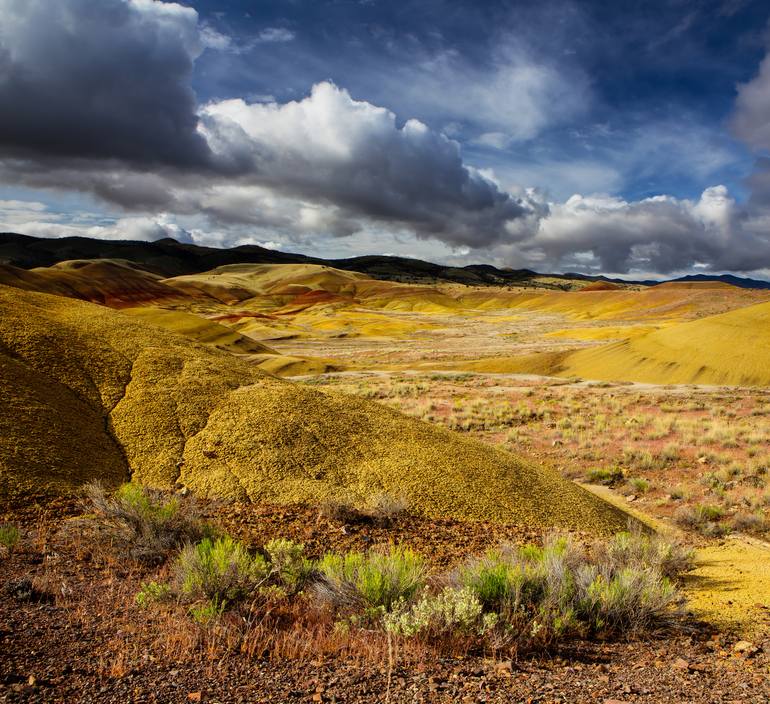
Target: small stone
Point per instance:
(744, 647)
(681, 664)
(195, 696)
(31, 681)
(504, 668)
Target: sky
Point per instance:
(625, 138)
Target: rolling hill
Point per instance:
(731, 348)
(87, 392)
(169, 258)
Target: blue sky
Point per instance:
(621, 137)
(651, 76)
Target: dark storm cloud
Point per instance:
(107, 79)
(103, 103)
(332, 149)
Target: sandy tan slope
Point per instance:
(172, 410)
(731, 348)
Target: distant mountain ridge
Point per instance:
(168, 257)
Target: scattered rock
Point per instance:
(745, 648)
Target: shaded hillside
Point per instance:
(113, 282)
(167, 257)
(90, 393)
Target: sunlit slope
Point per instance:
(731, 348)
(658, 303)
(199, 329)
(294, 287)
(172, 410)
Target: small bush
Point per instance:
(220, 571)
(703, 518)
(386, 508)
(541, 594)
(207, 611)
(630, 599)
(383, 510)
(609, 477)
(371, 582)
(644, 551)
(452, 612)
(750, 523)
(9, 537)
(677, 493)
(288, 563)
(151, 592)
(143, 523)
(639, 485)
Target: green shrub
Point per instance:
(750, 523)
(371, 581)
(635, 549)
(630, 599)
(221, 571)
(452, 612)
(9, 536)
(151, 592)
(145, 524)
(703, 517)
(207, 611)
(609, 477)
(540, 594)
(288, 563)
(639, 485)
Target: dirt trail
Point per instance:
(730, 585)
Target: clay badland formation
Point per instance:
(286, 387)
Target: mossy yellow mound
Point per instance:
(113, 282)
(732, 348)
(202, 330)
(282, 281)
(172, 410)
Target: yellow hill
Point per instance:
(198, 329)
(88, 392)
(655, 304)
(731, 348)
(297, 286)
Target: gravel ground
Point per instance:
(81, 639)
